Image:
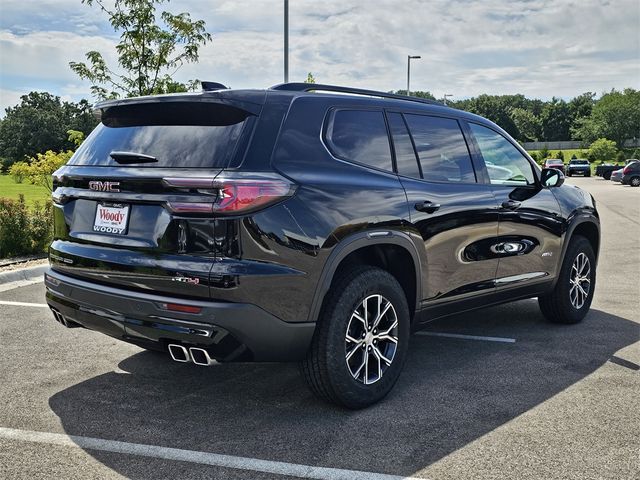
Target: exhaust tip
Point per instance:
(178, 353)
(201, 357)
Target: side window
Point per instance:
(406, 160)
(505, 164)
(441, 148)
(360, 136)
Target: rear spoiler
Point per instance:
(250, 101)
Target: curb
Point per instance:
(23, 274)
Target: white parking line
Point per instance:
(204, 458)
(24, 304)
(468, 337)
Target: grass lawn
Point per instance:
(579, 153)
(32, 193)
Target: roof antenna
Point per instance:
(212, 86)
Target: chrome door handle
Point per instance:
(427, 206)
(511, 205)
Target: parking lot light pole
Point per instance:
(286, 41)
(409, 58)
(447, 95)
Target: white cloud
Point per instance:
(540, 48)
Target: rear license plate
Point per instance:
(111, 218)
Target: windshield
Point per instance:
(580, 162)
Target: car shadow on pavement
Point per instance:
(452, 392)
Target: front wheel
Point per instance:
(571, 298)
(361, 339)
(634, 182)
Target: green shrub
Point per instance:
(603, 149)
(573, 157)
(560, 155)
(621, 157)
(24, 231)
(19, 171)
(534, 156)
(544, 153)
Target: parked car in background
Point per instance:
(554, 163)
(631, 174)
(606, 169)
(616, 175)
(578, 166)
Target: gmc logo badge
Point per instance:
(104, 186)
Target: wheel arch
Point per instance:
(587, 226)
(394, 251)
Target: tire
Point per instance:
(568, 174)
(326, 369)
(634, 181)
(607, 175)
(588, 174)
(566, 303)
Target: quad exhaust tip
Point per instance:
(62, 320)
(199, 356)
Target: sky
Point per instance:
(540, 48)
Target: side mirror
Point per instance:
(552, 177)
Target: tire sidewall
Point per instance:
(353, 393)
(572, 314)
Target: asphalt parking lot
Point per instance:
(506, 396)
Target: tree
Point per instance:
(149, 53)
(560, 155)
(526, 123)
(544, 153)
(40, 123)
(43, 166)
(616, 116)
(415, 93)
(310, 78)
(603, 149)
(556, 120)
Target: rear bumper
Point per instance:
(228, 331)
(580, 171)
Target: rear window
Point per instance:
(360, 136)
(191, 135)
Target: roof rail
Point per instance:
(310, 87)
(212, 86)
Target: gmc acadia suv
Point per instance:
(307, 223)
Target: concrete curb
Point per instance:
(23, 274)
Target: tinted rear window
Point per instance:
(181, 135)
(360, 136)
(441, 148)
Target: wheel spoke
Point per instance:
(357, 372)
(353, 340)
(388, 338)
(352, 352)
(382, 314)
(388, 330)
(380, 356)
(360, 319)
(366, 368)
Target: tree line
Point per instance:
(615, 115)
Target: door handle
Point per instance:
(427, 206)
(511, 205)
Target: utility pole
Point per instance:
(286, 41)
(409, 58)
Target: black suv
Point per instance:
(307, 223)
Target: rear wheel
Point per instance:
(361, 339)
(607, 175)
(634, 181)
(571, 298)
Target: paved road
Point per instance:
(559, 402)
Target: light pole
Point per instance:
(447, 95)
(409, 58)
(286, 41)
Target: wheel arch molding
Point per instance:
(589, 227)
(374, 243)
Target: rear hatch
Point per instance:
(134, 203)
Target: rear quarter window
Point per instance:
(359, 136)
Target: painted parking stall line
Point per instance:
(468, 337)
(192, 456)
(24, 304)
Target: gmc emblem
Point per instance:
(104, 186)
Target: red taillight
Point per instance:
(237, 194)
(176, 307)
(626, 170)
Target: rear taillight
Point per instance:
(626, 170)
(234, 194)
